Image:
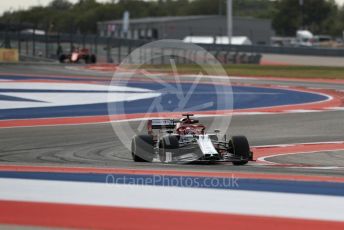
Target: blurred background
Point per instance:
(279, 32)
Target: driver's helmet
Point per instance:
(190, 130)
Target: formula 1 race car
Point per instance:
(77, 55)
(185, 140)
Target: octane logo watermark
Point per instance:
(164, 79)
(174, 181)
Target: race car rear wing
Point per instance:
(160, 124)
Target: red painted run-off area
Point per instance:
(309, 148)
(99, 217)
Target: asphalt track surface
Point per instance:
(96, 145)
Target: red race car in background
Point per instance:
(186, 140)
(77, 55)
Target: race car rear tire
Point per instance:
(62, 58)
(87, 59)
(241, 149)
(168, 144)
(93, 59)
(142, 148)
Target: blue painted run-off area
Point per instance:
(298, 187)
(204, 97)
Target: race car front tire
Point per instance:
(142, 148)
(168, 144)
(87, 59)
(241, 149)
(62, 58)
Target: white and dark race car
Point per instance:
(186, 140)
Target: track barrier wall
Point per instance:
(114, 50)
